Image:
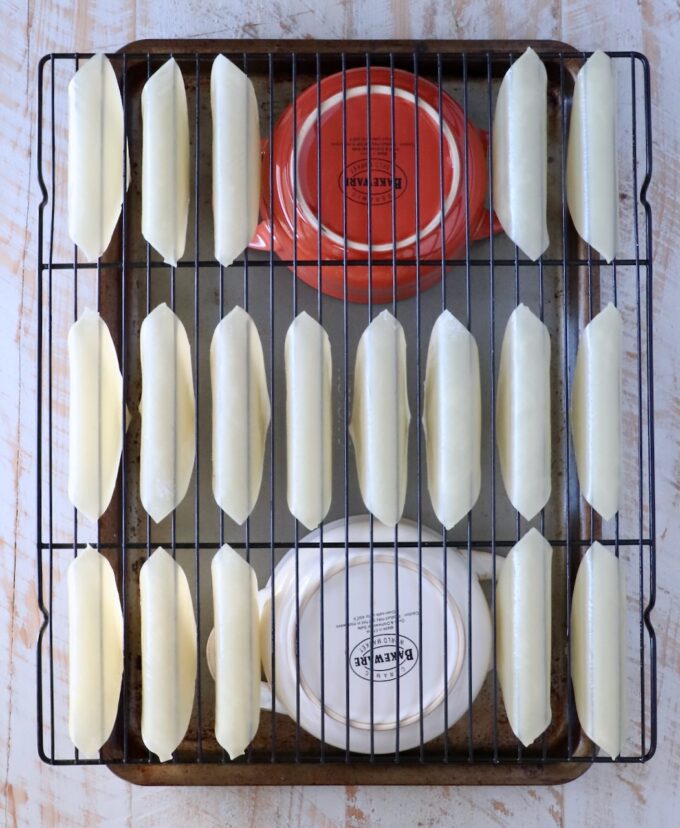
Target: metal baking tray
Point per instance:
(565, 287)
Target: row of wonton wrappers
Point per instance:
(97, 174)
(380, 420)
(169, 652)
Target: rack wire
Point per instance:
(565, 287)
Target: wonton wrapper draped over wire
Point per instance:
(168, 653)
(308, 420)
(95, 156)
(592, 181)
(95, 643)
(235, 159)
(596, 411)
(520, 154)
(241, 413)
(165, 162)
(452, 420)
(237, 651)
(523, 412)
(381, 418)
(598, 648)
(95, 415)
(523, 635)
(168, 445)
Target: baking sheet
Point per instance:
(264, 288)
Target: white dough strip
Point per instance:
(95, 636)
(308, 420)
(598, 648)
(241, 413)
(95, 415)
(381, 418)
(165, 162)
(168, 630)
(596, 411)
(95, 156)
(235, 159)
(167, 407)
(523, 412)
(592, 178)
(520, 154)
(237, 651)
(523, 634)
(452, 420)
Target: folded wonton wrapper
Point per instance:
(95, 641)
(95, 156)
(168, 653)
(523, 635)
(523, 412)
(308, 420)
(235, 159)
(520, 154)
(168, 413)
(240, 415)
(596, 411)
(95, 415)
(237, 651)
(381, 417)
(452, 420)
(598, 648)
(592, 181)
(165, 162)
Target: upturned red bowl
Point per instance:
(385, 196)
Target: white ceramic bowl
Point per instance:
(347, 629)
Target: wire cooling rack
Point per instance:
(565, 287)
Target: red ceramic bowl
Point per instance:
(366, 202)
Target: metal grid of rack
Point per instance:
(565, 287)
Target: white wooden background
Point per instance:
(37, 795)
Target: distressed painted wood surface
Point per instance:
(34, 794)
